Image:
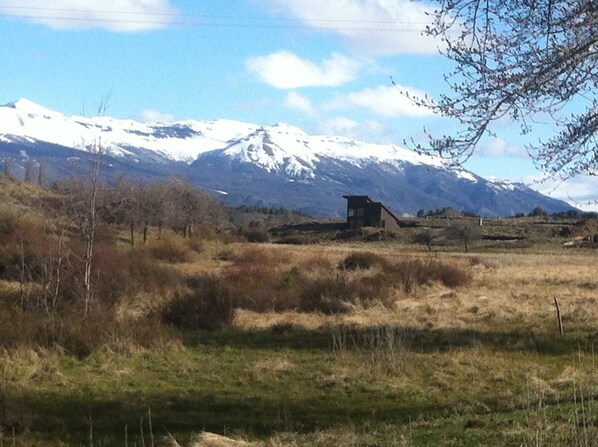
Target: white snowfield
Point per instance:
(278, 148)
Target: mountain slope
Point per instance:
(276, 165)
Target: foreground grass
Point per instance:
(294, 386)
(476, 365)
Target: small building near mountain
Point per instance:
(364, 212)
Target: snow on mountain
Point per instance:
(277, 165)
(280, 146)
(182, 141)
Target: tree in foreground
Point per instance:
(521, 60)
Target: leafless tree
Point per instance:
(188, 206)
(90, 224)
(521, 60)
(464, 232)
(7, 167)
(29, 170)
(120, 205)
(425, 237)
(41, 175)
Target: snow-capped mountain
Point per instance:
(278, 165)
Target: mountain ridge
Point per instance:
(278, 165)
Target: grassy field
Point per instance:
(399, 363)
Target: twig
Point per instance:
(558, 315)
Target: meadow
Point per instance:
(214, 341)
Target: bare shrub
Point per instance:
(361, 260)
(448, 275)
(327, 295)
(258, 286)
(21, 246)
(226, 254)
(170, 248)
(17, 329)
(410, 273)
(8, 221)
(148, 332)
(196, 244)
(209, 306)
(124, 274)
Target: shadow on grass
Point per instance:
(71, 419)
(415, 339)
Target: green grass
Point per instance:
(473, 389)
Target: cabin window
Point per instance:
(351, 212)
(360, 212)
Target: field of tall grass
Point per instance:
(211, 340)
(327, 345)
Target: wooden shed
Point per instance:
(364, 212)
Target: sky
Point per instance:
(323, 66)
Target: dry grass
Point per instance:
(508, 291)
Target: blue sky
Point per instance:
(322, 66)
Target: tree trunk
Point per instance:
(132, 234)
(90, 228)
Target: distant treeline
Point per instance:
(536, 212)
(268, 210)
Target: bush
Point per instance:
(255, 235)
(327, 295)
(170, 248)
(8, 221)
(298, 239)
(226, 254)
(258, 286)
(80, 336)
(208, 306)
(410, 273)
(17, 329)
(361, 260)
(125, 274)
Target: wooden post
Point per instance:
(558, 315)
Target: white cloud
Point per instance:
(113, 15)
(580, 191)
(384, 100)
(285, 70)
(367, 130)
(153, 116)
(297, 101)
(372, 26)
(499, 147)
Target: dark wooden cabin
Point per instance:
(364, 212)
